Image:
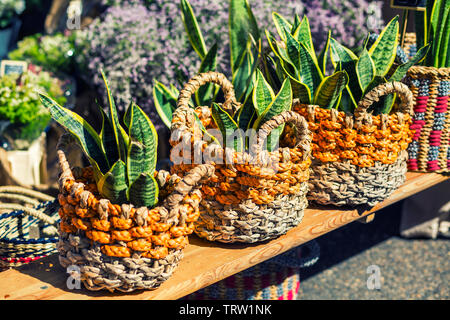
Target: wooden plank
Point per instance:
(204, 262)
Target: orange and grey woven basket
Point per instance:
(119, 247)
(28, 225)
(358, 159)
(253, 196)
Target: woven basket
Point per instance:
(358, 159)
(119, 247)
(429, 151)
(28, 232)
(253, 196)
(409, 44)
(274, 279)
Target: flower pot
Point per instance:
(117, 246)
(253, 197)
(358, 159)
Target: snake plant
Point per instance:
(352, 76)
(433, 26)
(123, 157)
(245, 46)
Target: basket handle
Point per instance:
(30, 211)
(204, 78)
(374, 95)
(187, 183)
(303, 134)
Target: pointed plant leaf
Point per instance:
(384, 50)
(113, 185)
(241, 23)
(165, 103)
(107, 138)
(228, 127)
(329, 92)
(204, 94)
(304, 36)
(144, 191)
(192, 29)
(142, 151)
(86, 136)
(263, 94)
(310, 73)
(281, 24)
(323, 56)
(402, 69)
(365, 70)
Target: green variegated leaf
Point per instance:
(165, 103)
(120, 142)
(231, 134)
(107, 138)
(263, 94)
(192, 29)
(144, 191)
(340, 55)
(293, 50)
(328, 93)
(365, 70)
(300, 91)
(347, 103)
(310, 73)
(323, 56)
(113, 185)
(245, 115)
(142, 151)
(204, 95)
(281, 24)
(384, 50)
(296, 26)
(241, 24)
(281, 102)
(402, 69)
(304, 36)
(242, 77)
(271, 72)
(86, 136)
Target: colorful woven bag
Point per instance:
(29, 232)
(253, 196)
(429, 150)
(274, 279)
(119, 247)
(358, 159)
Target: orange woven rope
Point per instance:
(363, 146)
(151, 240)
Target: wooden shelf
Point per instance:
(204, 263)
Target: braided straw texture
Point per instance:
(119, 247)
(274, 279)
(409, 44)
(252, 196)
(429, 150)
(27, 226)
(358, 159)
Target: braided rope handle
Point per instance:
(374, 95)
(30, 211)
(303, 134)
(204, 78)
(23, 194)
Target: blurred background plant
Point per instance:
(22, 115)
(51, 52)
(161, 50)
(10, 9)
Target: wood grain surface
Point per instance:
(204, 262)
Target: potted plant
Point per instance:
(23, 121)
(9, 23)
(359, 136)
(130, 221)
(429, 82)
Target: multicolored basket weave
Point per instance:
(274, 279)
(253, 196)
(358, 159)
(429, 149)
(119, 247)
(29, 231)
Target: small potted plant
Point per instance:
(359, 112)
(429, 82)
(122, 223)
(23, 121)
(9, 23)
